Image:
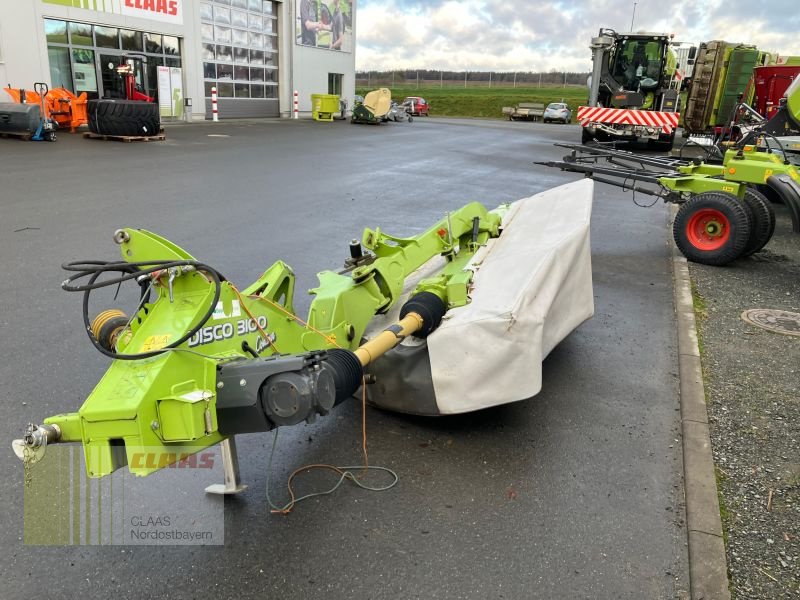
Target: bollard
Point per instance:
(214, 111)
(296, 102)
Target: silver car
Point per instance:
(557, 111)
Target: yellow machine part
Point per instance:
(379, 101)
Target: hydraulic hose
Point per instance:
(134, 270)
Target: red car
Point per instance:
(416, 105)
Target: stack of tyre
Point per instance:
(123, 117)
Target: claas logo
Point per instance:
(172, 460)
(165, 7)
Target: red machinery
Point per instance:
(127, 71)
(771, 84)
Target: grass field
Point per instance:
(486, 102)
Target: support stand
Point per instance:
(230, 467)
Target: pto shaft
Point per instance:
(419, 316)
(388, 338)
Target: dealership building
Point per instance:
(256, 53)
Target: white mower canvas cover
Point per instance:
(532, 286)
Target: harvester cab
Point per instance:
(632, 93)
(635, 69)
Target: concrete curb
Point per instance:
(708, 569)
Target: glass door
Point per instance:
(113, 85)
(113, 82)
(85, 72)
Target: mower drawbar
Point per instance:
(259, 395)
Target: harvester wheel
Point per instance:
(712, 228)
(123, 117)
(763, 221)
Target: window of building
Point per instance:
(335, 83)
(85, 72)
(237, 29)
(172, 45)
(80, 34)
(152, 43)
(222, 15)
(240, 37)
(238, 18)
(106, 37)
(60, 69)
(131, 40)
(80, 54)
(222, 34)
(55, 31)
(225, 90)
(225, 53)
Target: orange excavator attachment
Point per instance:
(67, 109)
(61, 105)
(31, 97)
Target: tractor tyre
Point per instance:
(712, 228)
(123, 117)
(763, 221)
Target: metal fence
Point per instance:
(467, 79)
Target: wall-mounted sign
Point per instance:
(325, 24)
(170, 91)
(166, 11)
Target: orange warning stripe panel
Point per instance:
(667, 121)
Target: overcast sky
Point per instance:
(530, 35)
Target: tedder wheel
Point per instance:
(712, 228)
(586, 137)
(762, 223)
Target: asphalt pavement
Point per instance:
(575, 493)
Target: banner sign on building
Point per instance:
(325, 24)
(170, 91)
(166, 11)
